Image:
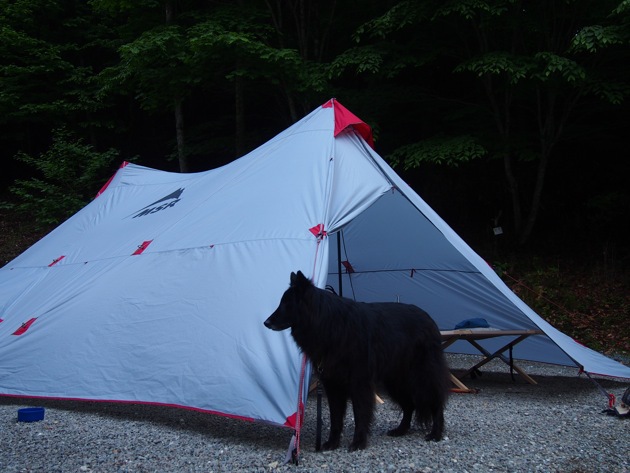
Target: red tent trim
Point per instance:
(345, 118)
(124, 163)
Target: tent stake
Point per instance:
(611, 397)
(339, 262)
(318, 430)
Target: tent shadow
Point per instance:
(177, 419)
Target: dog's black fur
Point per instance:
(358, 346)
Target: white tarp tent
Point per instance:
(156, 291)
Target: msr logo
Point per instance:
(162, 204)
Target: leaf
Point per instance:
(450, 151)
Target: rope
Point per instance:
(611, 397)
(318, 431)
(295, 454)
(521, 283)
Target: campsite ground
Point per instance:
(508, 426)
(591, 302)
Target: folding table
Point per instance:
(473, 335)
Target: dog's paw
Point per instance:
(330, 445)
(397, 432)
(357, 445)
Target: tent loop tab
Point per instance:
(318, 231)
(25, 326)
(142, 247)
(56, 260)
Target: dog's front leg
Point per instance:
(337, 402)
(363, 399)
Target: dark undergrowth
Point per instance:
(589, 303)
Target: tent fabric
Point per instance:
(156, 291)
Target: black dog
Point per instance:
(357, 346)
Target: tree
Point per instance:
(65, 178)
(45, 70)
(153, 62)
(524, 70)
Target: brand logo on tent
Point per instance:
(162, 204)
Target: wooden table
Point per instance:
(473, 335)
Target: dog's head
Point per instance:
(292, 300)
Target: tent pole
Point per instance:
(339, 261)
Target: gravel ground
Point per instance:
(508, 426)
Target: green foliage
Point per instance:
(622, 8)
(471, 9)
(553, 64)
(46, 68)
(247, 49)
(154, 67)
(385, 60)
(515, 68)
(367, 59)
(542, 66)
(593, 38)
(445, 150)
(68, 175)
(116, 6)
(400, 16)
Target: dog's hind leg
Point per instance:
(405, 423)
(437, 427)
(399, 393)
(337, 402)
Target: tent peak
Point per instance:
(344, 118)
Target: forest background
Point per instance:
(501, 114)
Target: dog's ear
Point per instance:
(302, 281)
(293, 279)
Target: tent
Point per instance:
(156, 291)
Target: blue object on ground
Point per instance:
(31, 414)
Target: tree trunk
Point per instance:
(178, 101)
(512, 183)
(179, 131)
(239, 105)
(536, 198)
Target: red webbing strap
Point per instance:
(56, 260)
(300, 413)
(24, 327)
(142, 247)
(348, 266)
